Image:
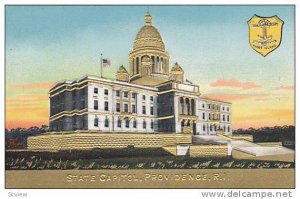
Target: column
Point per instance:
(121, 101)
(184, 106)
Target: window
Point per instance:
(144, 110)
(210, 128)
(227, 118)
(106, 122)
(151, 110)
(203, 105)
(151, 98)
(96, 122)
(228, 109)
(96, 90)
(134, 123)
(133, 95)
(223, 108)
(151, 124)
(209, 116)
(96, 104)
(133, 108)
(204, 127)
(126, 94)
(144, 124)
(209, 106)
(126, 108)
(127, 123)
(119, 123)
(118, 107)
(118, 93)
(144, 97)
(203, 116)
(106, 106)
(228, 129)
(224, 118)
(105, 91)
(215, 128)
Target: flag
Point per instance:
(106, 62)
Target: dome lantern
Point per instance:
(148, 19)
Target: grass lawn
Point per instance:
(127, 158)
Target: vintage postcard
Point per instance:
(149, 96)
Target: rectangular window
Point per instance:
(127, 124)
(151, 98)
(144, 124)
(118, 107)
(105, 91)
(151, 110)
(133, 108)
(144, 97)
(96, 90)
(118, 93)
(106, 106)
(125, 94)
(126, 108)
(134, 124)
(96, 104)
(144, 110)
(151, 125)
(133, 95)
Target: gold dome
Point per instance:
(148, 36)
(148, 32)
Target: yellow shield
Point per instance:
(265, 33)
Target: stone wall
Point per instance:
(66, 141)
(208, 150)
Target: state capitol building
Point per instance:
(149, 97)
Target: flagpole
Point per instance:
(101, 65)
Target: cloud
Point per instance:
(43, 85)
(233, 83)
(234, 97)
(284, 88)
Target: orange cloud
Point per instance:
(233, 83)
(234, 97)
(44, 85)
(284, 88)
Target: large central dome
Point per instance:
(148, 36)
(148, 45)
(148, 32)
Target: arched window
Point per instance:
(119, 123)
(187, 109)
(193, 106)
(106, 122)
(127, 123)
(181, 106)
(96, 122)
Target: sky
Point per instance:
(48, 44)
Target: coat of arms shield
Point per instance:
(265, 33)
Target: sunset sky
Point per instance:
(47, 44)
